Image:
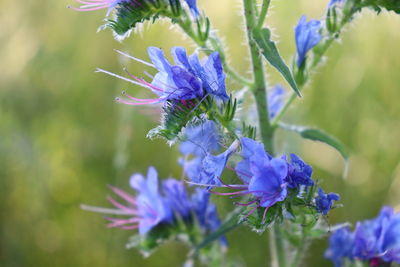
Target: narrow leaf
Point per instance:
(318, 135)
(271, 53)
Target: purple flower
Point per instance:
(299, 173)
(200, 139)
(252, 153)
(193, 7)
(276, 99)
(262, 175)
(324, 202)
(268, 184)
(177, 197)
(376, 241)
(150, 207)
(145, 211)
(187, 80)
(307, 36)
(334, 2)
(379, 238)
(213, 166)
(340, 246)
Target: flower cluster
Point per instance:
(154, 208)
(265, 179)
(187, 89)
(376, 241)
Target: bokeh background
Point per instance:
(63, 138)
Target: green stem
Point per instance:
(263, 13)
(259, 84)
(280, 246)
(259, 90)
(300, 251)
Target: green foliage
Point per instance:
(271, 53)
(318, 135)
(259, 224)
(378, 5)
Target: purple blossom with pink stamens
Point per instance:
(183, 82)
(145, 211)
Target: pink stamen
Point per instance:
(120, 206)
(141, 99)
(119, 222)
(246, 204)
(123, 195)
(132, 227)
(84, 8)
(213, 185)
(252, 211)
(244, 192)
(265, 214)
(122, 101)
(143, 81)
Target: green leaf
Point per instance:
(318, 135)
(271, 53)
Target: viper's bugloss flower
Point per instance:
(335, 2)
(324, 202)
(200, 139)
(263, 177)
(340, 246)
(276, 99)
(145, 211)
(177, 197)
(267, 180)
(307, 36)
(379, 238)
(375, 241)
(299, 172)
(153, 206)
(187, 80)
(212, 166)
(193, 8)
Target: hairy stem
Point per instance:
(259, 84)
(259, 90)
(263, 13)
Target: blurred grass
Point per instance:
(63, 139)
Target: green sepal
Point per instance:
(271, 53)
(176, 116)
(255, 221)
(148, 243)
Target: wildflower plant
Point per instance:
(271, 192)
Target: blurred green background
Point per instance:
(63, 139)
